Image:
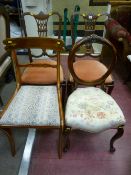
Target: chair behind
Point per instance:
(89, 28)
(45, 28)
(89, 24)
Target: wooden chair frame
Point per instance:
(34, 42)
(77, 81)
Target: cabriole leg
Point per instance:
(110, 89)
(118, 134)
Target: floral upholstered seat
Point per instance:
(95, 111)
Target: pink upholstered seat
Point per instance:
(40, 75)
(90, 70)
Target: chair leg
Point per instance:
(64, 95)
(70, 88)
(8, 133)
(110, 89)
(66, 139)
(118, 134)
(60, 145)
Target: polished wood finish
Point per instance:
(89, 23)
(42, 20)
(34, 42)
(12, 44)
(120, 132)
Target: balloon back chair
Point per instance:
(34, 106)
(43, 23)
(90, 108)
(89, 21)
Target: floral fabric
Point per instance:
(33, 105)
(91, 109)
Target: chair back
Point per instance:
(82, 47)
(14, 44)
(44, 24)
(88, 27)
(88, 21)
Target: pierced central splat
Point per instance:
(42, 21)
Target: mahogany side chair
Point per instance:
(89, 21)
(44, 24)
(34, 106)
(89, 108)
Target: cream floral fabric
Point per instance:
(33, 105)
(91, 109)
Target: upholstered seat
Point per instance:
(33, 106)
(38, 75)
(95, 111)
(90, 70)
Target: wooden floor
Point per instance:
(89, 153)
